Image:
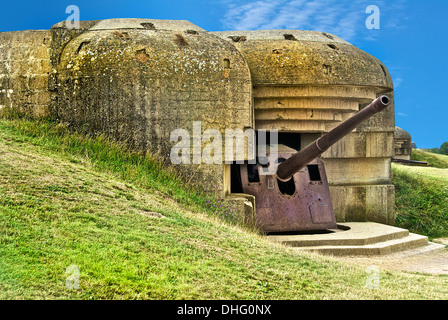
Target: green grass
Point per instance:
(434, 160)
(421, 199)
(135, 231)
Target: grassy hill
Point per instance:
(434, 160)
(422, 195)
(134, 231)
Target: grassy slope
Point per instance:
(67, 200)
(422, 199)
(433, 159)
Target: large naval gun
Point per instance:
(291, 188)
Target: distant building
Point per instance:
(403, 144)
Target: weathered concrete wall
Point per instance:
(138, 80)
(308, 82)
(24, 72)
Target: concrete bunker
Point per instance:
(138, 80)
(402, 144)
(305, 84)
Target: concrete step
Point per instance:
(357, 239)
(353, 233)
(430, 247)
(381, 248)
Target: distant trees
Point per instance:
(442, 150)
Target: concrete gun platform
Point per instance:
(359, 239)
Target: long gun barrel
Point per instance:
(296, 162)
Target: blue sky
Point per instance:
(412, 40)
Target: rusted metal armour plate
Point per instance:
(309, 208)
